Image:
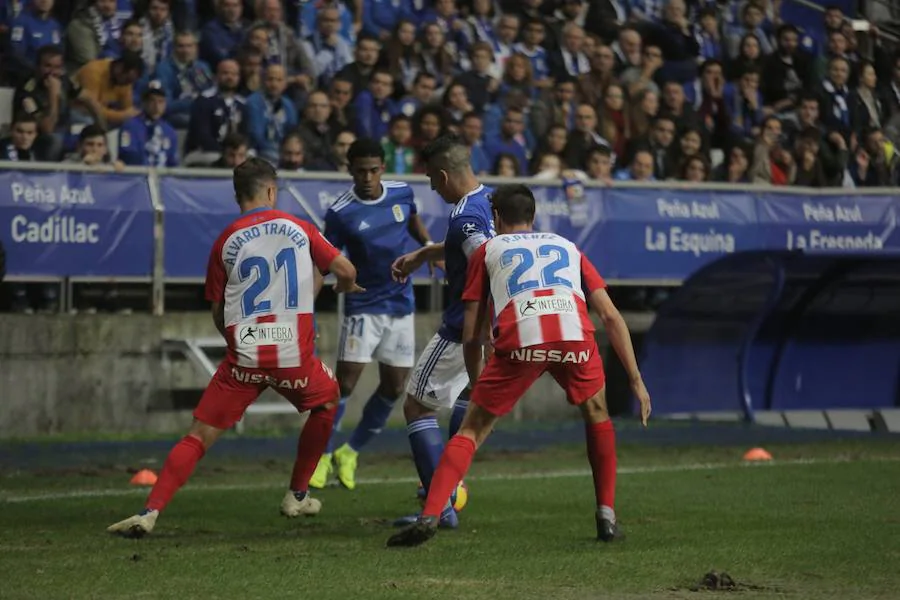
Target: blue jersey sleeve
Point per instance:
(333, 230)
(471, 231)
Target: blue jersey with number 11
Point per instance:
(375, 233)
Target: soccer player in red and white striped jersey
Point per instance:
(262, 279)
(532, 291)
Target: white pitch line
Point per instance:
(106, 493)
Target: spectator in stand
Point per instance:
(788, 72)
(570, 57)
(641, 168)
(159, 34)
(659, 144)
(359, 72)
(752, 18)
(49, 97)
(422, 94)
(337, 160)
(562, 104)
(471, 132)
(401, 57)
(511, 140)
(806, 154)
(33, 28)
(772, 164)
(480, 86)
(648, 11)
(518, 77)
(19, 146)
(546, 166)
(838, 109)
(584, 136)
(130, 40)
(838, 47)
(216, 114)
(428, 125)
(694, 169)
(110, 83)
(270, 115)
(690, 144)
(870, 104)
(221, 37)
(507, 32)
(735, 168)
(599, 164)
(456, 104)
(329, 52)
(676, 39)
(148, 140)
(445, 15)
(708, 34)
(643, 77)
(349, 18)
(291, 157)
(615, 119)
(438, 57)
(555, 141)
(399, 154)
(893, 90)
(627, 49)
(645, 110)
(250, 62)
(745, 105)
(605, 17)
(92, 31)
(709, 102)
(592, 84)
(506, 165)
(340, 94)
(284, 49)
(380, 17)
(235, 150)
(832, 147)
(315, 130)
(481, 23)
(749, 58)
(93, 150)
(675, 106)
(533, 35)
(183, 78)
(876, 163)
(373, 108)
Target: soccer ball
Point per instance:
(459, 498)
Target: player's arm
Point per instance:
(318, 282)
(476, 323)
(418, 230)
(214, 291)
(404, 266)
(327, 258)
(617, 331)
(343, 269)
(218, 316)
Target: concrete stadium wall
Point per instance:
(106, 373)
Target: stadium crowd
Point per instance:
(691, 90)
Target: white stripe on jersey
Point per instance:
(342, 201)
(530, 333)
(457, 210)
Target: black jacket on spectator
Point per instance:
(317, 142)
(877, 116)
(679, 50)
(775, 74)
(603, 18)
(838, 110)
(477, 89)
(353, 73)
(211, 120)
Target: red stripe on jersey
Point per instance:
(587, 325)
(267, 356)
(551, 328)
(230, 354)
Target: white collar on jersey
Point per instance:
(459, 206)
(384, 190)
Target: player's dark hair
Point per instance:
(365, 148)
(233, 141)
(448, 153)
(48, 51)
(250, 177)
(514, 204)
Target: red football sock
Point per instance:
(454, 464)
(178, 467)
(311, 445)
(601, 450)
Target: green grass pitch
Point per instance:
(821, 522)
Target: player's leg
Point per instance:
(459, 412)
(222, 405)
(313, 388)
(498, 389)
(437, 379)
(395, 354)
(355, 347)
(585, 386)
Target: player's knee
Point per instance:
(413, 409)
(594, 408)
(391, 390)
(207, 434)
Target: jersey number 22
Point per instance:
(526, 260)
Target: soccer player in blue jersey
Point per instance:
(440, 376)
(375, 221)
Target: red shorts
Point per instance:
(576, 367)
(234, 388)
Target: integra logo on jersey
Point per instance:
(546, 305)
(267, 334)
(554, 356)
(285, 384)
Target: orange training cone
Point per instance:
(144, 477)
(757, 454)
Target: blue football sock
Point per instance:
(427, 445)
(342, 406)
(459, 411)
(375, 415)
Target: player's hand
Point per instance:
(348, 288)
(640, 392)
(434, 265)
(405, 265)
